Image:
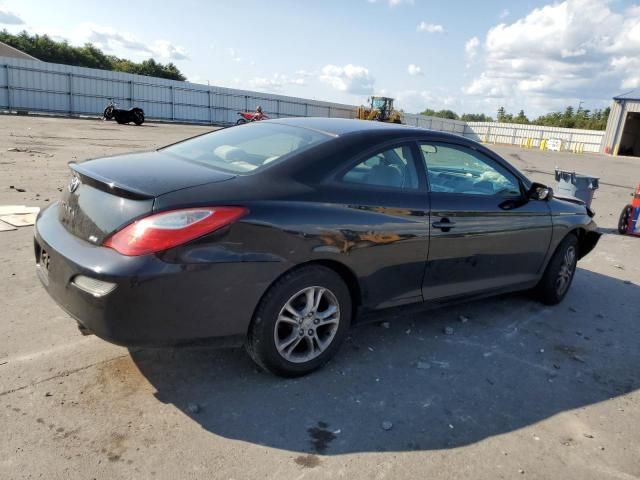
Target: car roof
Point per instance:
(342, 126)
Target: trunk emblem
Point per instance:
(73, 184)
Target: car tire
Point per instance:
(108, 113)
(623, 221)
(558, 276)
(138, 117)
(300, 322)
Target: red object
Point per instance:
(635, 203)
(629, 222)
(250, 116)
(165, 230)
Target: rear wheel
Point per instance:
(559, 274)
(138, 117)
(301, 321)
(241, 121)
(623, 221)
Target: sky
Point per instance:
(467, 56)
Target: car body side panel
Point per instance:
(569, 217)
(487, 248)
(384, 246)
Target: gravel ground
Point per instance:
(516, 390)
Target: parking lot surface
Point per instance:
(515, 390)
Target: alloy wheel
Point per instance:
(307, 324)
(567, 269)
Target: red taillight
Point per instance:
(169, 229)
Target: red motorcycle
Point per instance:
(251, 117)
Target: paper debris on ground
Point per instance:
(17, 209)
(20, 220)
(5, 227)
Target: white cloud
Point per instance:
(165, 49)
(430, 27)
(394, 3)
(471, 47)
(9, 18)
(112, 41)
(350, 78)
(275, 83)
(304, 73)
(234, 55)
(575, 49)
(414, 70)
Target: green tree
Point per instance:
(451, 115)
(521, 118)
(476, 117)
(46, 49)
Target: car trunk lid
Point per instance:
(106, 194)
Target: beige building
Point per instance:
(9, 51)
(623, 128)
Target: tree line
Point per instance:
(46, 49)
(570, 118)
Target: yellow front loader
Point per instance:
(379, 109)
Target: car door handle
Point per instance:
(444, 224)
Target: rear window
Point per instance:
(245, 148)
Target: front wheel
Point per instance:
(623, 221)
(241, 121)
(560, 271)
(108, 113)
(300, 322)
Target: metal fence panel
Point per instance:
(46, 87)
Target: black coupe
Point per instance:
(285, 231)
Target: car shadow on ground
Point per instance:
(509, 363)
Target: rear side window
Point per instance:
(457, 169)
(392, 168)
(248, 147)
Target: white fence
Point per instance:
(572, 139)
(33, 86)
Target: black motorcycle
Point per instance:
(121, 115)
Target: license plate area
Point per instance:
(44, 260)
(42, 265)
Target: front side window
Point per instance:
(392, 168)
(246, 148)
(456, 169)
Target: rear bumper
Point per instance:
(155, 302)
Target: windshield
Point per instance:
(378, 103)
(248, 147)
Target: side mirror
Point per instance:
(538, 191)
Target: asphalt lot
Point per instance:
(519, 390)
